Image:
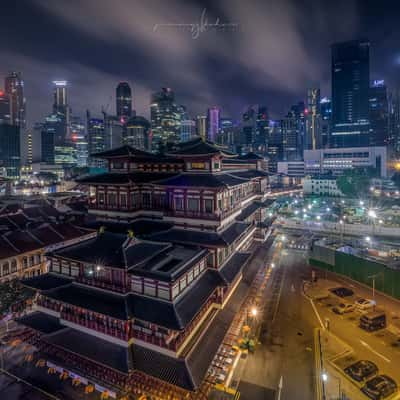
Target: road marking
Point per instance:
(374, 351)
(316, 313)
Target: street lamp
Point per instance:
(361, 203)
(272, 265)
(324, 376)
(254, 312)
(368, 239)
(372, 214)
(318, 217)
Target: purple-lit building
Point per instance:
(213, 121)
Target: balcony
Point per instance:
(191, 214)
(103, 285)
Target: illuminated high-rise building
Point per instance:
(5, 117)
(379, 114)
(165, 117)
(138, 133)
(10, 149)
(14, 88)
(79, 140)
(97, 141)
(201, 126)
(124, 100)
(312, 139)
(213, 123)
(326, 120)
(262, 130)
(350, 94)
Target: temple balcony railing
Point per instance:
(152, 338)
(102, 324)
(102, 284)
(191, 214)
(50, 304)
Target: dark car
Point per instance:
(379, 387)
(342, 292)
(373, 321)
(361, 370)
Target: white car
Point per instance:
(365, 304)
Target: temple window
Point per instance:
(100, 197)
(13, 266)
(123, 200)
(182, 283)
(175, 290)
(74, 271)
(112, 199)
(190, 276)
(150, 288)
(193, 204)
(209, 205)
(146, 199)
(163, 292)
(178, 203)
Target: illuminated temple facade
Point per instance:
(157, 299)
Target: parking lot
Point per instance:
(341, 316)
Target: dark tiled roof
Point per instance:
(142, 251)
(41, 212)
(234, 230)
(6, 250)
(249, 210)
(105, 249)
(235, 264)
(92, 348)
(122, 151)
(93, 299)
(190, 180)
(23, 241)
(47, 235)
(156, 311)
(170, 263)
(168, 369)
(176, 235)
(186, 236)
(126, 178)
(198, 147)
(230, 180)
(19, 220)
(192, 301)
(250, 156)
(41, 322)
(46, 281)
(139, 227)
(250, 174)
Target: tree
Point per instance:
(12, 294)
(355, 182)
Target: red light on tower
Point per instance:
(306, 111)
(1, 93)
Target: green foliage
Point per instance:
(12, 293)
(355, 182)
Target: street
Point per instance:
(286, 337)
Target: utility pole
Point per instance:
(280, 386)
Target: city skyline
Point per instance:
(206, 67)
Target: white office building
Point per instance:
(337, 160)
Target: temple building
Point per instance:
(156, 300)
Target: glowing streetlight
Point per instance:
(283, 238)
(368, 239)
(361, 203)
(296, 212)
(380, 221)
(341, 222)
(272, 265)
(254, 311)
(318, 217)
(270, 214)
(328, 209)
(372, 214)
(304, 210)
(324, 376)
(309, 206)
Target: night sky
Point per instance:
(269, 55)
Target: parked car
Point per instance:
(342, 292)
(343, 308)
(379, 387)
(361, 370)
(364, 304)
(373, 321)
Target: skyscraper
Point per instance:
(14, 88)
(97, 141)
(60, 106)
(326, 121)
(313, 120)
(124, 100)
(379, 114)
(249, 128)
(138, 133)
(262, 129)
(165, 119)
(213, 123)
(5, 117)
(10, 149)
(201, 126)
(79, 139)
(350, 94)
